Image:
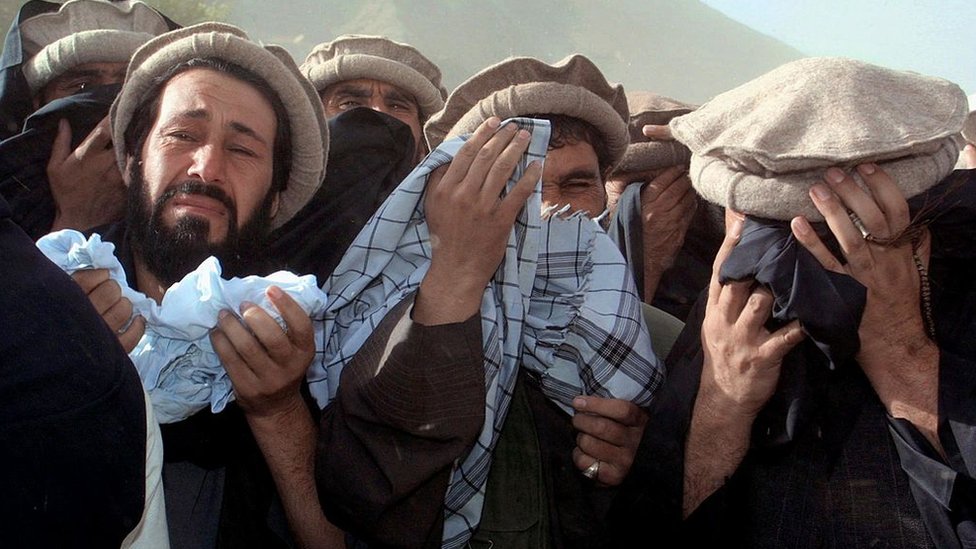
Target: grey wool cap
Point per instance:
(354, 56)
(642, 153)
(759, 148)
(969, 129)
(306, 120)
(520, 86)
(85, 31)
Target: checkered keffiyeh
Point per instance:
(562, 304)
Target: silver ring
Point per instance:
(592, 471)
(865, 233)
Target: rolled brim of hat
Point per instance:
(353, 66)
(544, 98)
(94, 46)
(653, 155)
(969, 128)
(785, 196)
(306, 119)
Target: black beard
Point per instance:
(169, 253)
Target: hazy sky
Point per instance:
(934, 37)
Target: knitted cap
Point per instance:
(521, 86)
(309, 131)
(643, 154)
(85, 31)
(760, 147)
(357, 56)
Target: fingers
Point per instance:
(670, 185)
(806, 236)
(888, 197)
(88, 279)
(858, 201)
(61, 147)
(835, 214)
(473, 149)
(297, 321)
(781, 341)
(757, 310)
(621, 411)
(97, 141)
(657, 132)
(512, 204)
(731, 239)
(503, 165)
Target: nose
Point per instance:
(207, 163)
(378, 104)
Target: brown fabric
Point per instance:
(520, 86)
(409, 405)
(759, 147)
(306, 119)
(355, 56)
(642, 153)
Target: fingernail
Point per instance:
(222, 314)
(834, 175)
(820, 192)
(866, 169)
(579, 403)
(523, 135)
(245, 305)
(274, 292)
(800, 226)
(494, 122)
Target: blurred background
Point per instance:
(687, 49)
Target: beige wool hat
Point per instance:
(969, 129)
(353, 56)
(643, 154)
(309, 130)
(519, 86)
(760, 147)
(85, 31)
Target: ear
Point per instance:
(127, 173)
(275, 205)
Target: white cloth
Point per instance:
(178, 365)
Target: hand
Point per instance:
(266, 364)
(742, 358)
(610, 430)
(967, 157)
(896, 353)
(470, 221)
(105, 295)
(656, 132)
(85, 183)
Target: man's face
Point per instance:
(79, 79)
(376, 95)
(572, 176)
(206, 171)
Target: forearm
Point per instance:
(717, 442)
(287, 441)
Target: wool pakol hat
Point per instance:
(353, 56)
(306, 121)
(644, 154)
(520, 86)
(85, 31)
(969, 129)
(760, 147)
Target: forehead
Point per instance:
(366, 85)
(573, 158)
(220, 97)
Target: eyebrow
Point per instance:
(580, 174)
(239, 127)
(397, 95)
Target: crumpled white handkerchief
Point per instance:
(177, 364)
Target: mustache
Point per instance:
(201, 188)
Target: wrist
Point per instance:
(444, 298)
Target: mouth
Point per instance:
(198, 204)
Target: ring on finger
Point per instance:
(592, 471)
(865, 233)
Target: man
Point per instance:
(663, 231)
(379, 74)
(220, 140)
(822, 392)
(967, 157)
(60, 62)
(377, 94)
(424, 503)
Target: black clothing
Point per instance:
(72, 410)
